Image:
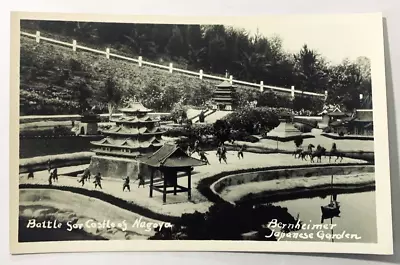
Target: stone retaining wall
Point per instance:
(56, 161)
(110, 167)
(242, 178)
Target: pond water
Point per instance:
(357, 218)
(31, 147)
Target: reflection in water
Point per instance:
(357, 217)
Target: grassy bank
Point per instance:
(127, 205)
(51, 76)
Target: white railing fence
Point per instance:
(74, 45)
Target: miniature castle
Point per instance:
(135, 134)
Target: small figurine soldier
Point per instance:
(82, 179)
(48, 165)
(126, 184)
(189, 151)
(86, 173)
(97, 181)
(141, 180)
(55, 175)
(50, 178)
(203, 156)
(196, 146)
(240, 152)
(222, 153)
(30, 174)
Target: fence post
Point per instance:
(231, 79)
(37, 36)
(108, 53)
(261, 86)
(171, 67)
(74, 45)
(201, 74)
(140, 60)
(292, 91)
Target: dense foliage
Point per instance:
(298, 141)
(224, 221)
(253, 120)
(215, 49)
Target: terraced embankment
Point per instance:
(81, 217)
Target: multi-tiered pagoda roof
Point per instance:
(223, 95)
(135, 133)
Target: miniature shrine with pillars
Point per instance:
(134, 134)
(169, 160)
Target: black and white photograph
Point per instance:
(269, 130)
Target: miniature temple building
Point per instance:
(88, 124)
(224, 96)
(134, 134)
(360, 123)
(169, 160)
(363, 123)
(330, 117)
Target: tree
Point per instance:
(152, 96)
(83, 93)
(140, 41)
(112, 95)
(222, 130)
(176, 45)
(298, 141)
(212, 225)
(346, 84)
(310, 70)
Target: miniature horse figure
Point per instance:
(335, 152)
(318, 154)
(297, 152)
(309, 151)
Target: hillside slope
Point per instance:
(50, 77)
(57, 80)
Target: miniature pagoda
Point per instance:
(224, 96)
(134, 134)
(285, 129)
(88, 124)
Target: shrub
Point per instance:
(298, 141)
(253, 120)
(313, 104)
(191, 131)
(304, 128)
(311, 123)
(222, 130)
(250, 139)
(179, 112)
(243, 136)
(213, 225)
(175, 132)
(271, 99)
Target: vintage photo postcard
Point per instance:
(258, 134)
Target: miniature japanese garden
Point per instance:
(203, 155)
